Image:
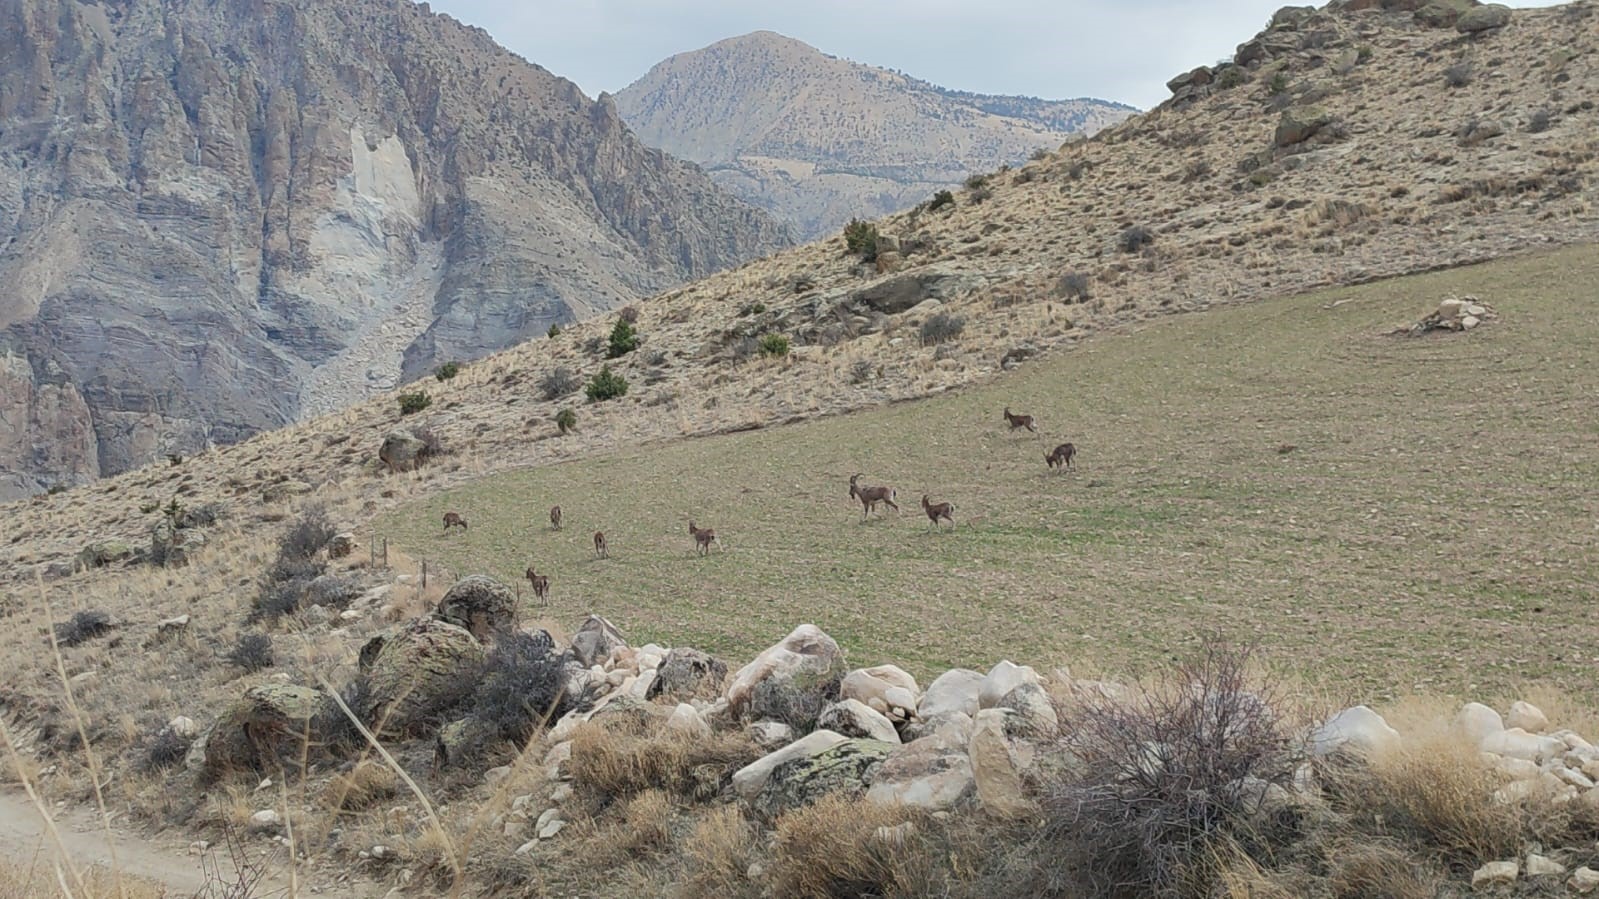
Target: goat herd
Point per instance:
(1059, 457)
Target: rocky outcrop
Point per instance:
(816, 140)
(481, 605)
(215, 218)
(266, 726)
(417, 671)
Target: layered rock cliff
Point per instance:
(217, 215)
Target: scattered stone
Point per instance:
(103, 552)
(995, 772)
(1300, 123)
(1584, 880)
(402, 451)
(686, 674)
(496, 775)
(1478, 722)
(956, 690)
(686, 719)
(1517, 743)
(266, 819)
(282, 490)
(183, 728)
(887, 689)
(770, 734)
(1543, 866)
(1000, 680)
(1035, 713)
(341, 546)
(934, 772)
(1495, 873)
(803, 671)
(527, 847)
(845, 768)
(417, 671)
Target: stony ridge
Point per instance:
(816, 140)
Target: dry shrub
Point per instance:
(642, 827)
(1436, 794)
(362, 787)
(1341, 213)
(1161, 785)
(624, 754)
(83, 627)
(719, 853)
(1378, 872)
(831, 848)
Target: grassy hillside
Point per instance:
(1433, 530)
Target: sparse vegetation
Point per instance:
(299, 562)
(252, 653)
(1538, 122)
(1075, 287)
(1278, 84)
(520, 689)
(941, 327)
(623, 340)
(553, 332)
(558, 382)
(940, 200)
(976, 182)
(1231, 77)
(629, 314)
(749, 309)
(447, 371)
(162, 749)
(980, 195)
(566, 420)
(1135, 238)
(1039, 155)
(774, 345)
(1364, 53)
(861, 370)
(860, 238)
(1458, 75)
(414, 402)
(607, 385)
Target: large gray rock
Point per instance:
(417, 671)
(595, 640)
(1359, 730)
(481, 605)
(103, 552)
(261, 730)
(402, 451)
(749, 780)
(688, 674)
(798, 675)
(1483, 18)
(886, 689)
(933, 773)
(854, 718)
(996, 768)
(955, 691)
(1300, 123)
(845, 768)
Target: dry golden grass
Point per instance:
(621, 755)
(719, 853)
(833, 848)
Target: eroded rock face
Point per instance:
(214, 219)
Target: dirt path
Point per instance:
(162, 860)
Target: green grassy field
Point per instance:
(1436, 529)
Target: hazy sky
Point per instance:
(1113, 49)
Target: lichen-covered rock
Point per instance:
(688, 674)
(750, 780)
(481, 605)
(174, 546)
(996, 770)
(265, 726)
(934, 772)
(845, 768)
(103, 552)
(1483, 18)
(1300, 123)
(595, 640)
(416, 672)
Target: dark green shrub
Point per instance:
(774, 345)
(861, 238)
(941, 199)
(412, 403)
(447, 371)
(749, 309)
(554, 332)
(623, 340)
(1279, 83)
(83, 627)
(607, 385)
(976, 182)
(566, 420)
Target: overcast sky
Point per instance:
(1121, 50)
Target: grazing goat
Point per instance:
(540, 582)
(601, 551)
(1019, 421)
(1061, 456)
(451, 520)
(935, 511)
(871, 496)
(555, 517)
(703, 538)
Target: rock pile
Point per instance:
(1453, 314)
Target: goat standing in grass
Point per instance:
(555, 517)
(540, 582)
(453, 520)
(871, 496)
(1061, 456)
(1020, 421)
(601, 550)
(936, 511)
(703, 538)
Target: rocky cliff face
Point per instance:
(216, 215)
(816, 139)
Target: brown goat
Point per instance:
(1019, 421)
(540, 582)
(871, 496)
(703, 538)
(1061, 456)
(555, 517)
(601, 551)
(452, 520)
(935, 511)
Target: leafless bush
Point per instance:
(1458, 75)
(83, 627)
(1539, 122)
(941, 327)
(861, 371)
(1074, 287)
(628, 314)
(1169, 781)
(252, 653)
(1135, 238)
(558, 382)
